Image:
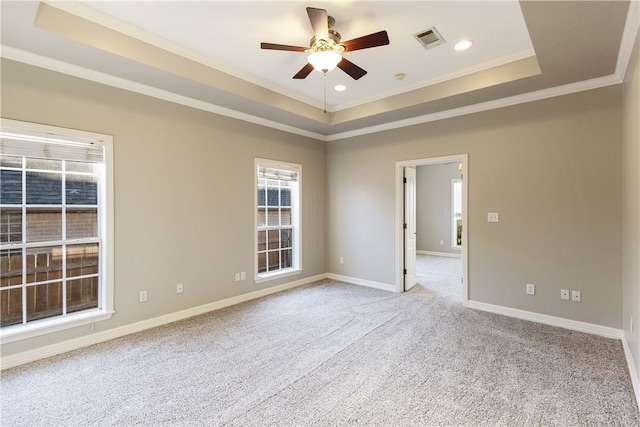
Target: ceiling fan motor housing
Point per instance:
(332, 44)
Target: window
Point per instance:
(55, 227)
(277, 219)
(456, 210)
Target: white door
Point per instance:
(409, 228)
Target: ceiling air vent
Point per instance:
(429, 38)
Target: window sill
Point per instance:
(47, 326)
(277, 275)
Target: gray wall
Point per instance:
(184, 196)
(433, 207)
(551, 168)
(631, 207)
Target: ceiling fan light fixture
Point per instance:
(324, 61)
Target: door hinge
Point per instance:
(404, 225)
(405, 271)
(404, 180)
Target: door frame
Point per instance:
(409, 226)
(400, 165)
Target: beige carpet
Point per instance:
(333, 354)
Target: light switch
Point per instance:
(492, 217)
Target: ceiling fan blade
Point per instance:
(304, 72)
(372, 40)
(274, 46)
(320, 22)
(352, 69)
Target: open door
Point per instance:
(406, 227)
(409, 227)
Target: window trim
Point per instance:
(106, 204)
(296, 222)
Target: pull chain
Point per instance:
(325, 92)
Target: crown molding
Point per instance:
(496, 62)
(103, 78)
(47, 63)
(631, 28)
(485, 106)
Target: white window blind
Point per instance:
(281, 173)
(44, 146)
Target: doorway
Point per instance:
(405, 210)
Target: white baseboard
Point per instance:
(98, 337)
(633, 373)
(573, 325)
(362, 282)
(445, 254)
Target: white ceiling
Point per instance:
(206, 54)
(229, 35)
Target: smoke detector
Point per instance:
(429, 38)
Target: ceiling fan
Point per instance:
(326, 49)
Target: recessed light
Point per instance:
(340, 88)
(463, 44)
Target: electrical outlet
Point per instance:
(575, 296)
(564, 294)
(493, 217)
(243, 275)
(143, 296)
(179, 288)
(531, 289)
(341, 260)
(237, 277)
